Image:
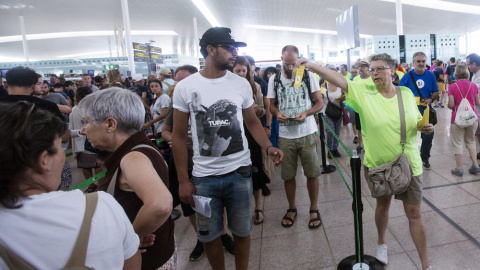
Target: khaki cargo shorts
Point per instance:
(306, 148)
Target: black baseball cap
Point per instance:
(219, 35)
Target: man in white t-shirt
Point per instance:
(218, 103)
(294, 110)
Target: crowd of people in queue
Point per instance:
(220, 132)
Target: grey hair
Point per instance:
(123, 105)
(417, 54)
(384, 57)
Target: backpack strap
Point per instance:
(306, 79)
(276, 83)
(169, 85)
(13, 261)
(79, 252)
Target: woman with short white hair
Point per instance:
(137, 175)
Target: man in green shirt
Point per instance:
(345, 73)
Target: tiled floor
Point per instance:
(451, 213)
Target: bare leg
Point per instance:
(360, 139)
(215, 254)
(257, 195)
(381, 217)
(473, 156)
(355, 131)
(458, 160)
(242, 252)
(417, 231)
(87, 173)
(290, 189)
(192, 221)
(312, 187)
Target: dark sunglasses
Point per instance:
(228, 47)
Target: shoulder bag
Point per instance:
(333, 111)
(465, 116)
(394, 177)
(433, 113)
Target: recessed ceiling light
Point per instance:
(441, 5)
(81, 54)
(296, 29)
(86, 34)
(206, 12)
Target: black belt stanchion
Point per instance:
(324, 168)
(359, 261)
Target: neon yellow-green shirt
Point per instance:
(400, 74)
(381, 125)
(348, 76)
(369, 81)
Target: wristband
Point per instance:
(269, 127)
(267, 149)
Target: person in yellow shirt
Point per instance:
(379, 109)
(345, 73)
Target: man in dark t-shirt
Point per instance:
(20, 85)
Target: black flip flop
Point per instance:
(257, 217)
(289, 218)
(315, 219)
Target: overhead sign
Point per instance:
(111, 67)
(147, 53)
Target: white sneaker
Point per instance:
(429, 268)
(382, 254)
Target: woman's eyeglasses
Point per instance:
(377, 69)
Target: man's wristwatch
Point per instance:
(269, 127)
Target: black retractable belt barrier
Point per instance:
(359, 261)
(325, 168)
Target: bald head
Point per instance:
(289, 58)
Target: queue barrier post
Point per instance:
(324, 168)
(359, 261)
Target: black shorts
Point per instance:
(357, 122)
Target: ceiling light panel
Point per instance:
(441, 5)
(86, 34)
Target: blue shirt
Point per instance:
(425, 82)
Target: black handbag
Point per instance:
(333, 111)
(433, 113)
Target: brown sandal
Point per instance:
(257, 220)
(289, 218)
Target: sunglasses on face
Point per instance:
(228, 47)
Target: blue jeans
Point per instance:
(426, 147)
(335, 125)
(234, 192)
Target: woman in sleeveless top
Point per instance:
(137, 175)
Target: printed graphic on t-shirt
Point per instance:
(420, 83)
(218, 128)
(292, 101)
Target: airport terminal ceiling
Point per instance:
(248, 20)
